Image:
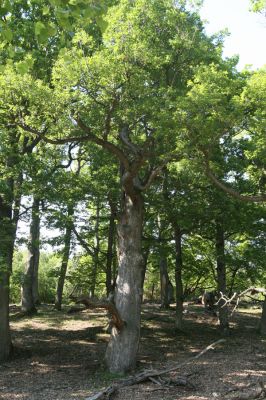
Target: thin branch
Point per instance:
(237, 296)
(156, 171)
(83, 243)
(227, 189)
(103, 143)
(41, 134)
(108, 118)
(89, 137)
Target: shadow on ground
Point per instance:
(60, 356)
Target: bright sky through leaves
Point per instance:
(248, 30)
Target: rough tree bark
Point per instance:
(9, 216)
(28, 291)
(263, 318)
(110, 248)
(178, 277)
(65, 259)
(122, 349)
(6, 253)
(221, 276)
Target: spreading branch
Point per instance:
(88, 137)
(116, 320)
(236, 297)
(152, 375)
(156, 171)
(252, 198)
(113, 149)
(83, 242)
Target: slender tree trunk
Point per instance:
(30, 275)
(122, 349)
(263, 318)
(110, 247)
(143, 272)
(232, 283)
(96, 252)
(221, 275)
(6, 253)
(178, 277)
(166, 286)
(65, 259)
(35, 283)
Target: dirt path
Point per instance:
(60, 356)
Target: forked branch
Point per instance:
(236, 297)
(116, 320)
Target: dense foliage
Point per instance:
(132, 145)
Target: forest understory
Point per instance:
(59, 356)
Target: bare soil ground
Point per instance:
(61, 357)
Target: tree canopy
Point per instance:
(123, 116)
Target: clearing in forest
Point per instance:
(60, 356)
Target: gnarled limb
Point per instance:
(116, 320)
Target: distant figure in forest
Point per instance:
(209, 300)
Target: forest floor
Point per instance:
(60, 356)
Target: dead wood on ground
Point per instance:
(152, 375)
(249, 393)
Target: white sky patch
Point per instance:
(248, 30)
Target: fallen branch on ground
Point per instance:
(255, 392)
(237, 296)
(73, 310)
(148, 375)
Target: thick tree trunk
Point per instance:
(110, 249)
(65, 259)
(6, 253)
(263, 318)
(221, 276)
(122, 349)
(178, 277)
(29, 285)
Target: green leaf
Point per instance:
(7, 34)
(102, 23)
(45, 10)
(51, 29)
(55, 2)
(39, 28)
(22, 67)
